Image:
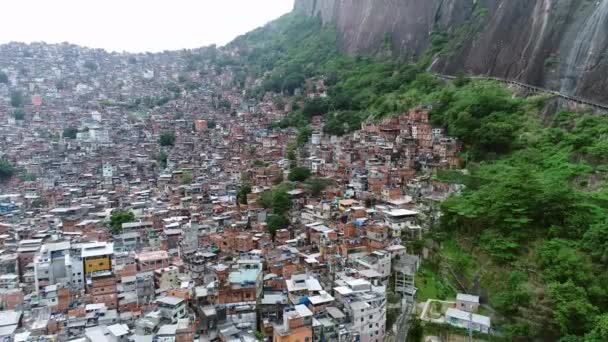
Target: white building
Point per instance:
(171, 308)
(467, 302)
(302, 285)
(9, 281)
(167, 278)
(468, 320)
(57, 263)
(108, 170)
(366, 307)
(378, 261)
(402, 220)
(96, 116)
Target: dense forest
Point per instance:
(530, 230)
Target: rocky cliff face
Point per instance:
(557, 44)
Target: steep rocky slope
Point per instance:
(557, 44)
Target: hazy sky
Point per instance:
(135, 25)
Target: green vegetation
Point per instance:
(443, 43)
(241, 195)
(167, 139)
(484, 115)
(299, 174)
(211, 124)
(416, 331)
(295, 48)
(19, 114)
(224, 104)
(432, 286)
(536, 203)
(27, 177)
(161, 159)
(447, 332)
(303, 135)
(151, 101)
(277, 199)
(362, 88)
(90, 65)
(61, 84)
(276, 222)
(70, 132)
(119, 217)
(6, 170)
(291, 48)
(391, 317)
(530, 228)
(280, 202)
(186, 177)
(17, 99)
(258, 163)
(317, 185)
(3, 77)
(552, 61)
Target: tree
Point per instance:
(186, 177)
(416, 331)
(3, 77)
(61, 84)
(595, 242)
(27, 177)
(92, 66)
(513, 297)
(119, 217)
(561, 262)
(317, 185)
(19, 114)
(276, 222)
(316, 106)
(6, 170)
(241, 196)
(211, 124)
(161, 159)
(461, 79)
(600, 330)
(299, 174)
(265, 199)
(303, 135)
(291, 155)
(281, 202)
(17, 99)
(573, 313)
(278, 102)
(167, 139)
(224, 104)
(70, 132)
(278, 179)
